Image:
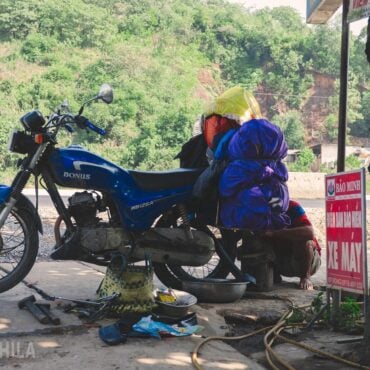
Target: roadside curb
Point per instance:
(43, 192)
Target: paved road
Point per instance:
(44, 200)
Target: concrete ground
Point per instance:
(27, 344)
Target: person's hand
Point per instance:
(306, 284)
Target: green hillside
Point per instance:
(165, 59)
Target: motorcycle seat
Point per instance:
(162, 180)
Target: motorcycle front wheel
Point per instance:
(19, 243)
(173, 275)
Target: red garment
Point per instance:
(215, 125)
(298, 218)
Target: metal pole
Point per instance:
(342, 119)
(342, 127)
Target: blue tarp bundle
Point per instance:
(253, 187)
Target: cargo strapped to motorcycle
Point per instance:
(133, 283)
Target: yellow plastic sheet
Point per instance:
(235, 102)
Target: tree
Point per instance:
(70, 21)
(292, 126)
(325, 59)
(331, 128)
(165, 59)
(361, 127)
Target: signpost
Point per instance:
(346, 231)
(358, 9)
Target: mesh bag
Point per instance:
(133, 283)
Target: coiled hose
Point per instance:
(273, 332)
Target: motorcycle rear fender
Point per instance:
(23, 202)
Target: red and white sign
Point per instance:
(346, 259)
(358, 9)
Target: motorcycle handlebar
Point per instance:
(97, 129)
(83, 122)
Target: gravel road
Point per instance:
(49, 215)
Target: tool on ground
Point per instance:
(45, 308)
(48, 297)
(29, 304)
(95, 302)
(88, 309)
(91, 310)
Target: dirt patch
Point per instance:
(322, 339)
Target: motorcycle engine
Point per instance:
(95, 235)
(83, 207)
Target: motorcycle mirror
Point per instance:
(106, 93)
(65, 105)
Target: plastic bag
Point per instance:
(158, 329)
(236, 102)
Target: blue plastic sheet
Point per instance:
(157, 329)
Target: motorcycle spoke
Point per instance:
(200, 272)
(12, 246)
(13, 238)
(7, 271)
(7, 250)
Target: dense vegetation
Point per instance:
(165, 59)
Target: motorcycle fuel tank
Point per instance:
(75, 167)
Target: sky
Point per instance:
(300, 5)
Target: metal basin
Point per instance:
(215, 290)
(179, 308)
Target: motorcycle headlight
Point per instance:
(33, 121)
(19, 142)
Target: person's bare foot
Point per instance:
(306, 284)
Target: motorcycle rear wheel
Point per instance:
(19, 243)
(173, 275)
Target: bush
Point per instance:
(352, 163)
(72, 22)
(59, 73)
(304, 162)
(77, 23)
(36, 47)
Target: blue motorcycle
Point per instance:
(134, 213)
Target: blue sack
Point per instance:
(253, 187)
